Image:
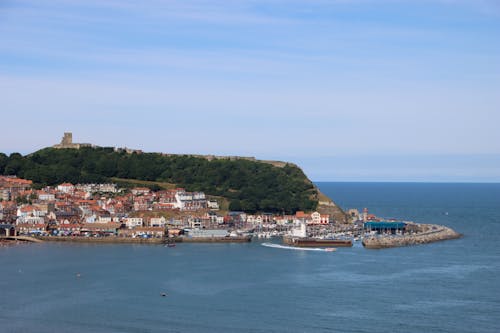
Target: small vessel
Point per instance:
(317, 242)
(319, 249)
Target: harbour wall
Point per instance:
(129, 240)
(425, 233)
(102, 240)
(232, 239)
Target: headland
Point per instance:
(128, 196)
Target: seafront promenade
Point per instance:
(20, 238)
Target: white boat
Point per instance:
(285, 247)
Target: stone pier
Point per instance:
(421, 234)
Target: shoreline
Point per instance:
(428, 233)
(423, 234)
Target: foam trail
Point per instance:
(277, 246)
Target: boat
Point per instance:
(317, 242)
(320, 249)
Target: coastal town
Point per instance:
(104, 210)
(107, 213)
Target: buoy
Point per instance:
(163, 294)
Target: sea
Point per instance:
(450, 286)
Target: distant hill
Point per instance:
(249, 185)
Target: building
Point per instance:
(317, 218)
(157, 222)
(67, 143)
(66, 188)
(140, 191)
(392, 227)
(132, 222)
(11, 187)
(190, 200)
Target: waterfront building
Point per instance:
(28, 228)
(317, 219)
(157, 222)
(103, 229)
(385, 226)
(132, 222)
(202, 233)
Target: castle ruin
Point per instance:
(67, 143)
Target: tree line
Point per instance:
(249, 185)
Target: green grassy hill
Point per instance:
(248, 185)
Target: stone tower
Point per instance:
(67, 139)
(67, 142)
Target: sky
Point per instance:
(350, 90)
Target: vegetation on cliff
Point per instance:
(250, 186)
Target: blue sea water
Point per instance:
(450, 286)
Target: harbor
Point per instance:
(214, 279)
(105, 213)
(375, 234)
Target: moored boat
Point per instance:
(316, 242)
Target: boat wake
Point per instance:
(317, 249)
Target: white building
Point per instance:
(158, 222)
(212, 204)
(45, 196)
(66, 188)
(132, 222)
(190, 200)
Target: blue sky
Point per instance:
(368, 90)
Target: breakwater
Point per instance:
(420, 234)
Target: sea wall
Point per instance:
(138, 240)
(421, 234)
(102, 240)
(233, 239)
